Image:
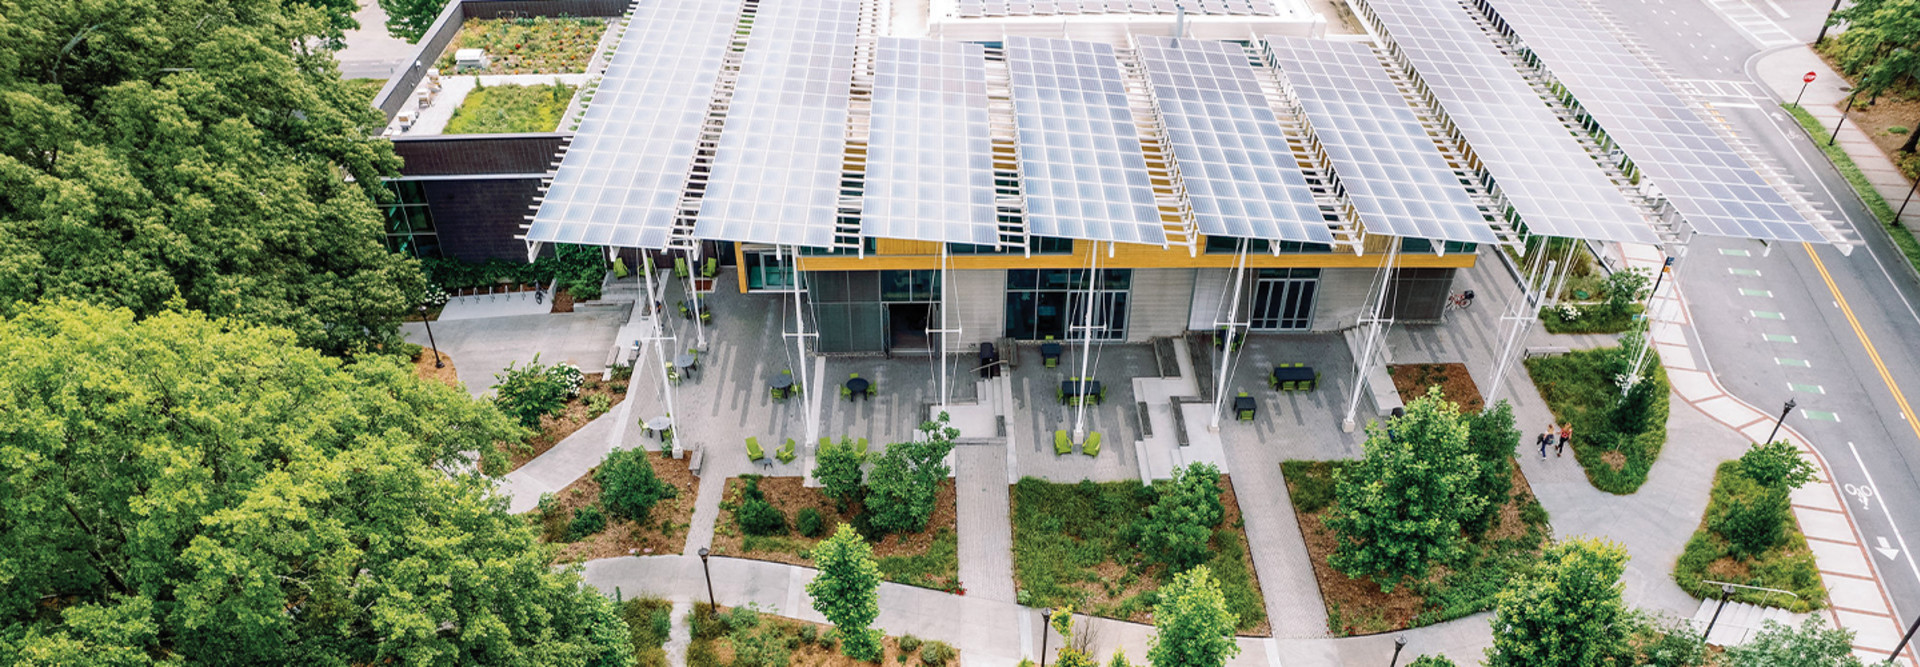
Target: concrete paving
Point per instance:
(1781, 71)
(985, 530)
(482, 348)
(1037, 413)
(369, 52)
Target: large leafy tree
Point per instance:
(847, 591)
(1881, 48)
(1567, 613)
(184, 489)
(1179, 526)
(1491, 437)
(199, 148)
(1194, 627)
(409, 19)
(1402, 506)
(905, 482)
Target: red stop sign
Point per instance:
(1808, 78)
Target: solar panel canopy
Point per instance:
(1387, 162)
(1709, 184)
(1082, 169)
(929, 174)
(621, 179)
(997, 8)
(1241, 176)
(1544, 172)
(777, 169)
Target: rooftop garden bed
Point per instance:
(510, 109)
(538, 45)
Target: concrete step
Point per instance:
(1739, 621)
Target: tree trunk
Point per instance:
(1913, 139)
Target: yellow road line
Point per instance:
(1873, 354)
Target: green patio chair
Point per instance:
(786, 452)
(711, 268)
(861, 448)
(776, 393)
(1092, 446)
(685, 312)
(1289, 385)
(1273, 381)
(673, 374)
(873, 389)
(1061, 444)
(1101, 398)
(679, 267)
(1060, 395)
(754, 453)
(846, 393)
(619, 267)
(826, 443)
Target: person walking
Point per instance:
(1546, 438)
(1566, 436)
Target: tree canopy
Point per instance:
(409, 19)
(1403, 504)
(180, 489)
(1881, 45)
(1567, 613)
(847, 591)
(1192, 623)
(200, 148)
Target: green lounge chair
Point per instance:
(711, 268)
(679, 267)
(786, 452)
(619, 267)
(1061, 444)
(861, 448)
(826, 443)
(754, 453)
(1092, 446)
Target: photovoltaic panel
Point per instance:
(929, 151)
(620, 182)
(777, 169)
(1701, 176)
(1387, 162)
(1546, 175)
(997, 8)
(1241, 176)
(1081, 165)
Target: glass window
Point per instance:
(1044, 303)
(769, 271)
(1047, 245)
(409, 221)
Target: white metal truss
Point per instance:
(682, 237)
(1008, 203)
(1169, 189)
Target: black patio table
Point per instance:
(781, 383)
(1072, 387)
(1050, 350)
(858, 386)
(1293, 373)
(1242, 403)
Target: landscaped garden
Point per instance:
(649, 622)
(1107, 549)
(635, 503)
(901, 501)
(1750, 537)
(1427, 527)
(577, 269)
(1412, 381)
(1616, 436)
(505, 109)
(539, 45)
(1616, 307)
(747, 636)
(551, 402)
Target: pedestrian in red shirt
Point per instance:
(1566, 435)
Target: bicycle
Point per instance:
(1461, 301)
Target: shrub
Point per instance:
(1625, 288)
(598, 404)
(1776, 465)
(1177, 528)
(628, 486)
(1491, 437)
(1431, 661)
(587, 521)
(837, 469)
(937, 654)
(905, 481)
(809, 634)
(1788, 565)
(530, 392)
(1567, 613)
(759, 645)
(1811, 644)
(1312, 483)
(1752, 522)
(908, 643)
(809, 522)
(552, 519)
(760, 518)
(1674, 644)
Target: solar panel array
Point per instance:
(1546, 175)
(1081, 164)
(998, 8)
(1241, 176)
(1387, 162)
(777, 170)
(621, 181)
(929, 153)
(1701, 176)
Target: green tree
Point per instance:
(1179, 525)
(205, 492)
(1879, 46)
(905, 481)
(837, 469)
(628, 486)
(1776, 465)
(1431, 661)
(1811, 645)
(1192, 624)
(409, 19)
(847, 591)
(1402, 505)
(1491, 437)
(1068, 656)
(1119, 658)
(1566, 613)
(337, 13)
(1754, 520)
(529, 392)
(195, 148)
(1625, 288)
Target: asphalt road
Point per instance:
(1771, 321)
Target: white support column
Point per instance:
(693, 294)
(1520, 318)
(1232, 327)
(1086, 346)
(945, 331)
(1374, 323)
(800, 343)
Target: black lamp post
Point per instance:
(437, 363)
(1046, 621)
(1399, 642)
(709, 575)
(1904, 639)
(1726, 592)
(1843, 117)
(1783, 419)
(1827, 23)
(1903, 202)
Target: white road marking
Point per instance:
(1897, 537)
(1885, 549)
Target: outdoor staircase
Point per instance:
(1740, 621)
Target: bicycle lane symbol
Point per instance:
(1863, 492)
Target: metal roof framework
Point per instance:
(929, 171)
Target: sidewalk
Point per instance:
(1781, 72)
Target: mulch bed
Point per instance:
(556, 427)
(1412, 381)
(1889, 111)
(562, 301)
(790, 495)
(814, 655)
(1358, 604)
(664, 533)
(423, 367)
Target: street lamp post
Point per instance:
(1827, 23)
(1046, 621)
(1904, 639)
(1903, 202)
(1399, 642)
(709, 575)
(1726, 592)
(1843, 117)
(1783, 418)
(437, 363)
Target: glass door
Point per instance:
(1283, 299)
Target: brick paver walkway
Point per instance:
(986, 529)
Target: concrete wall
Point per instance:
(979, 300)
(1159, 303)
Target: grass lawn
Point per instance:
(719, 638)
(1594, 318)
(928, 559)
(540, 45)
(1579, 389)
(1357, 607)
(1903, 238)
(664, 533)
(1072, 544)
(506, 109)
(1788, 565)
(649, 621)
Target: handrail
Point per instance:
(1757, 588)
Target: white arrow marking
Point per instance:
(1886, 549)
